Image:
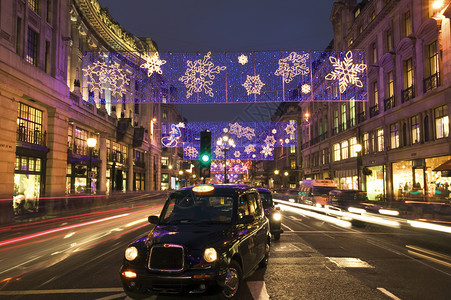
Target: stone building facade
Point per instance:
(404, 127)
(49, 111)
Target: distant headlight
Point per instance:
(210, 255)
(131, 253)
(277, 216)
(356, 210)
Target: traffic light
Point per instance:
(205, 153)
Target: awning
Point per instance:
(444, 167)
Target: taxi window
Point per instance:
(243, 207)
(254, 204)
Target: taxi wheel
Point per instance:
(232, 281)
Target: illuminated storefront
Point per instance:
(422, 179)
(375, 182)
(346, 179)
(27, 184)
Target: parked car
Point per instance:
(271, 212)
(207, 239)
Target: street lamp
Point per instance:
(307, 122)
(225, 144)
(358, 150)
(92, 142)
(276, 173)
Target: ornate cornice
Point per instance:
(108, 29)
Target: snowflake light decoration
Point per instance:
(346, 72)
(153, 64)
(249, 149)
(103, 76)
(191, 152)
(290, 129)
(292, 66)
(267, 150)
(253, 84)
(237, 154)
(305, 88)
(270, 140)
(242, 59)
(199, 76)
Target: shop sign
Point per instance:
(446, 173)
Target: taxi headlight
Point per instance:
(210, 255)
(131, 253)
(277, 216)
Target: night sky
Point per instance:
(227, 25)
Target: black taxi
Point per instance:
(207, 239)
(271, 212)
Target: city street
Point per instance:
(79, 258)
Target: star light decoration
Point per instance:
(199, 76)
(292, 66)
(153, 64)
(346, 72)
(242, 59)
(103, 76)
(270, 140)
(237, 154)
(253, 84)
(305, 88)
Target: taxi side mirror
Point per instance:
(153, 219)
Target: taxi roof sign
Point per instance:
(203, 188)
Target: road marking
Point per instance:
(287, 227)
(24, 263)
(121, 295)
(349, 262)
(286, 247)
(62, 291)
(258, 290)
(388, 293)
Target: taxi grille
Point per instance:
(166, 257)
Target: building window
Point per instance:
(432, 63)
(350, 42)
(372, 15)
(343, 116)
(374, 53)
(357, 12)
(441, 122)
(352, 143)
(80, 145)
(394, 136)
(408, 76)
(388, 40)
(375, 95)
(49, 11)
(293, 164)
(380, 139)
(344, 150)
(390, 84)
(366, 143)
(29, 124)
(336, 152)
(34, 5)
(415, 129)
(336, 121)
(406, 24)
(292, 149)
(165, 115)
(164, 162)
(32, 47)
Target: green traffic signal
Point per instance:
(205, 158)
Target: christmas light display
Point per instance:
(250, 146)
(153, 64)
(229, 77)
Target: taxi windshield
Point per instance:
(184, 208)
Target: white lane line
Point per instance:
(63, 291)
(121, 295)
(287, 227)
(258, 290)
(388, 294)
(24, 263)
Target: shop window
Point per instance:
(344, 150)
(27, 184)
(441, 122)
(394, 136)
(415, 129)
(336, 152)
(380, 139)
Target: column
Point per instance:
(102, 188)
(148, 168)
(130, 158)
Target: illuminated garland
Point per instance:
(229, 77)
(249, 145)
